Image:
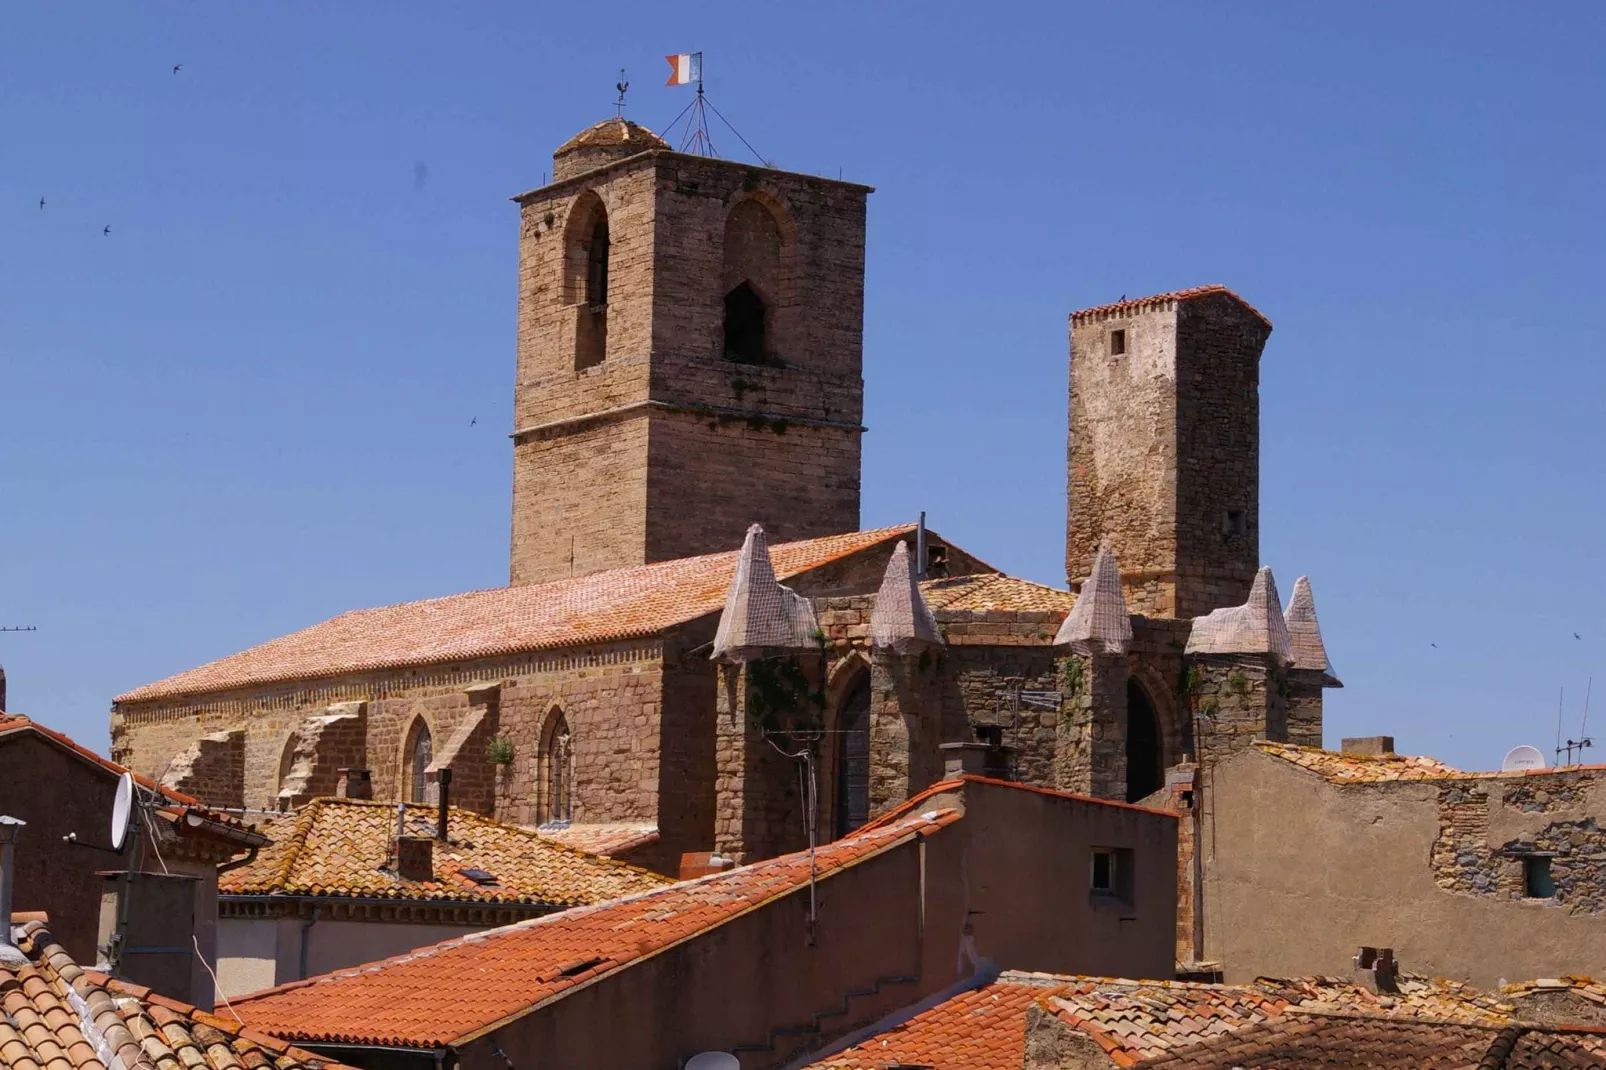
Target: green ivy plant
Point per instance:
(1071, 675)
(1238, 683)
(500, 750)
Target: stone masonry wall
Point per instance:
(1240, 699)
(211, 768)
(728, 443)
(1488, 826)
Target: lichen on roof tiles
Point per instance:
(994, 592)
(617, 604)
(1359, 768)
(341, 848)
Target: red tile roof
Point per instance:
(943, 787)
(1138, 303)
(439, 995)
(41, 1026)
(601, 838)
(342, 847)
(995, 592)
(623, 603)
(982, 1029)
(1359, 768)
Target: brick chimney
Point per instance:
(1372, 746)
(1376, 969)
(355, 783)
(415, 858)
(10, 953)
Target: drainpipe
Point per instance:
(920, 547)
(306, 939)
(445, 778)
(10, 953)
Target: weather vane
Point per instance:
(623, 87)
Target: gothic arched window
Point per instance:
(597, 263)
(586, 252)
(556, 771)
(853, 759)
(1145, 765)
(420, 752)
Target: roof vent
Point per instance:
(479, 876)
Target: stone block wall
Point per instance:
(1163, 454)
(321, 746)
(1488, 826)
(1093, 751)
(759, 810)
(1305, 707)
(665, 448)
(1240, 699)
(211, 768)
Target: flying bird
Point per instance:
(41, 204)
(474, 421)
(177, 67)
(107, 231)
(1435, 646)
(1577, 636)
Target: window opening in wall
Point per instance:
(1145, 770)
(1536, 879)
(853, 759)
(744, 325)
(422, 755)
(936, 561)
(591, 325)
(1111, 874)
(557, 772)
(1117, 343)
(1234, 523)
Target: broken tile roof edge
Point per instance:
(1278, 750)
(1174, 295)
(278, 884)
(177, 803)
(156, 691)
(941, 819)
(232, 1026)
(957, 783)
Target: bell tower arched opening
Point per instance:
(851, 804)
(1145, 760)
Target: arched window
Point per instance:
(853, 759)
(556, 771)
(587, 256)
(757, 279)
(744, 325)
(1145, 765)
(420, 752)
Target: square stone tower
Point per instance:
(1164, 452)
(690, 348)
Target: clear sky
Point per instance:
(249, 406)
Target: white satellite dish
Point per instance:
(122, 810)
(714, 1060)
(1523, 757)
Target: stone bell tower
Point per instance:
(690, 344)
(1164, 451)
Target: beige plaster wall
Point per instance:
(1299, 872)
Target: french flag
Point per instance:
(685, 68)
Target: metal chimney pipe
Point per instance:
(920, 547)
(9, 827)
(444, 778)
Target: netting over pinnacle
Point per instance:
(1305, 634)
(1256, 627)
(1098, 623)
(901, 621)
(761, 616)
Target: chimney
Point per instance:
(1370, 746)
(355, 783)
(10, 953)
(444, 778)
(1376, 970)
(2, 689)
(415, 858)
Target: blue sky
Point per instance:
(248, 408)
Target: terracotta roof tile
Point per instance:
(982, 1029)
(613, 131)
(617, 604)
(601, 839)
(1359, 768)
(429, 996)
(1138, 303)
(1296, 1041)
(992, 592)
(41, 1028)
(341, 847)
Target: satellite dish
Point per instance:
(1523, 757)
(714, 1060)
(122, 810)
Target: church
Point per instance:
(700, 658)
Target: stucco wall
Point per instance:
(256, 953)
(1300, 871)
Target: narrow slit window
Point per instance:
(1104, 871)
(1117, 343)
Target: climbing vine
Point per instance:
(780, 697)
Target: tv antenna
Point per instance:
(623, 87)
(19, 628)
(1583, 742)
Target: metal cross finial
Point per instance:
(623, 87)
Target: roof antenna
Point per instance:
(623, 87)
